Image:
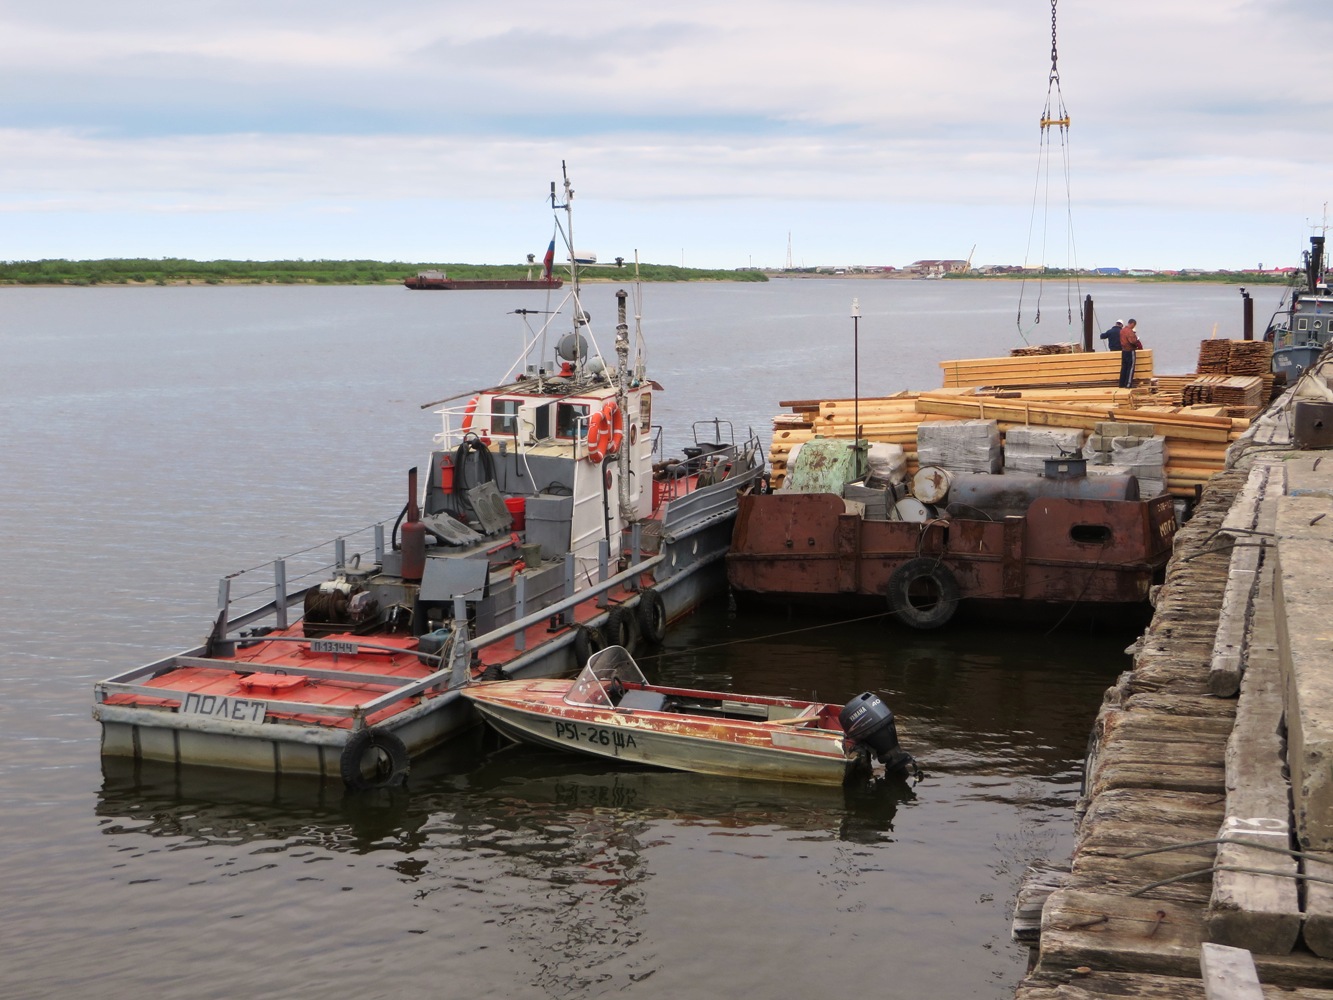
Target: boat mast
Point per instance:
(580, 318)
(622, 400)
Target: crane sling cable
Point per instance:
(1053, 114)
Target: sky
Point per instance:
(706, 134)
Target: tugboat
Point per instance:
(549, 524)
(1303, 333)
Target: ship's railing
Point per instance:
(270, 589)
(446, 676)
(452, 432)
(708, 463)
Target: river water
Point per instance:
(155, 439)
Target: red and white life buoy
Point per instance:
(606, 429)
(467, 414)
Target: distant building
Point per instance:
(937, 267)
(1107, 271)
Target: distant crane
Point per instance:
(789, 250)
(968, 266)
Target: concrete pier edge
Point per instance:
(1214, 753)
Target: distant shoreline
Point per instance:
(179, 272)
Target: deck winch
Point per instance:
(869, 722)
(337, 605)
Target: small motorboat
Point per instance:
(610, 710)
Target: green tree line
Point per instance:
(166, 271)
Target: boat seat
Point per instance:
(644, 701)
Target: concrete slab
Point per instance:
(1304, 581)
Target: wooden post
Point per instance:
(1087, 323)
(1248, 313)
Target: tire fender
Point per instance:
(622, 629)
(587, 640)
(652, 616)
(390, 769)
(932, 580)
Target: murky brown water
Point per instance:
(155, 439)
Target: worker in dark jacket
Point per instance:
(1129, 343)
(1112, 336)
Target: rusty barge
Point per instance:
(1013, 542)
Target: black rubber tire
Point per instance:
(622, 629)
(923, 593)
(391, 768)
(652, 616)
(587, 640)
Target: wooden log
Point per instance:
(1318, 929)
(1093, 984)
(1119, 933)
(1040, 879)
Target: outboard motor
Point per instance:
(869, 722)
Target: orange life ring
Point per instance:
(467, 414)
(597, 435)
(616, 424)
(606, 429)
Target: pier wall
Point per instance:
(1207, 807)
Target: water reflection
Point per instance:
(474, 786)
(564, 858)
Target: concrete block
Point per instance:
(1126, 441)
(1098, 442)
(1304, 579)
(1142, 430)
(1111, 428)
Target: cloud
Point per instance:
(876, 111)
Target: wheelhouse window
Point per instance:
(1302, 323)
(504, 416)
(645, 412)
(571, 420)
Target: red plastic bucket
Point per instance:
(518, 511)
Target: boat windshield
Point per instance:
(604, 667)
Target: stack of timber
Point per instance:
(1082, 369)
(886, 419)
(1242, 395)
(1196, 438)
(1239, 357)
(1213, 356)
(1163, 390)
(1036, 350)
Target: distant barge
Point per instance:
(425, 280)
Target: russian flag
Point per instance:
(549, 260)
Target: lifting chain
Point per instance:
(1055, 58)
(1060, 116)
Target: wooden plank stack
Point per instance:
(1163, 390)
(1239, 357)
(887, 419)
(1036, 350)
(1213, 356)
(1082, 369)
(1242, 395)
(1197, 438)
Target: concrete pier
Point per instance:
(1207, 809)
